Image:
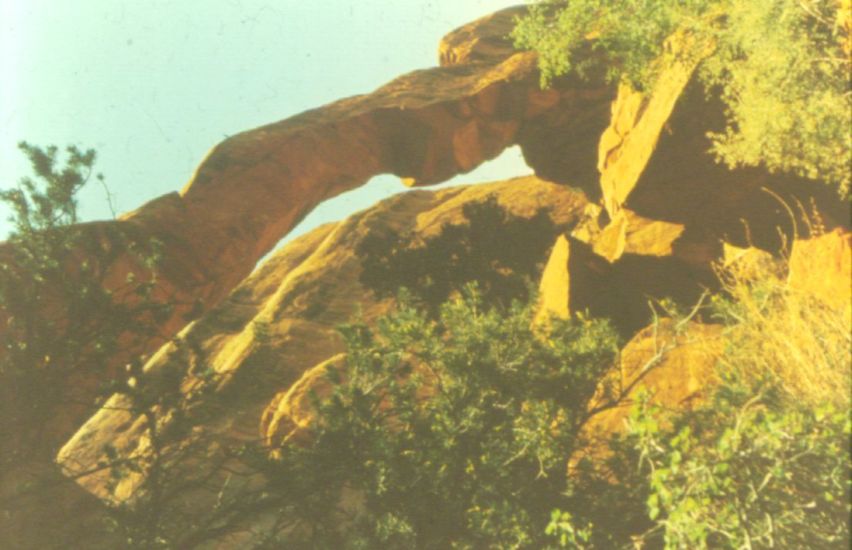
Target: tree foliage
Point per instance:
(57, 312)
(452, 433)
(782, 68)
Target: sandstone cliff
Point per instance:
(224, 370)
(240, 372)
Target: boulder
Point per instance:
(822, 266)
(673, 365)
(577, 279)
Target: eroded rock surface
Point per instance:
(241, 358)
(577, 279)
(424, 127)
(666, 209)
(822, 266)
(674, 366)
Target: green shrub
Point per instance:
(58, 316)
(782, 68)
(764, 459)
(453, 433)
(744, 471)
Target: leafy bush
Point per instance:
(782, 67)
(744, 471)
(64, 330)
(452, 433)
(763, 462)
(57, 312)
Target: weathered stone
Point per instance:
(483, 40)
(254, 187)
(236, 367)
(576, 279)
(655, 159)
(638, 119)
(746, 264)
(667, 205)
(674, 366)
(682, 183)
(291, 413)
(822, 267)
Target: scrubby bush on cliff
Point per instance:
(63, 330)
(451, 433)
(782, 67)
(764, 461)
(746, 471)
(53, 302)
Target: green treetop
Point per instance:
(782, 68)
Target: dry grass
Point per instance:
(791, 336)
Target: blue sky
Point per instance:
(152, 85)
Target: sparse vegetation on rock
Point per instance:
(462, 414)
(782, 68)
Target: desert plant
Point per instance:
(774, 330)
(763, 460)
(453, 433)
(746, 471)
(782, 68)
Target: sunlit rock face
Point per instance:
(425, 127)
(668, 209)
(240, 359)
(578, 280)
(674, 366)
(822, 266)
(253, 188)
(655, 215)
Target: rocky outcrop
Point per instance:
(639, 118)
(425, 127)
(252, 188)
(682, 183)
(667, 213)
(290, 413)
(822, 266)
(673, 365)
(577, 279)
(668, 209)
(241, 362)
